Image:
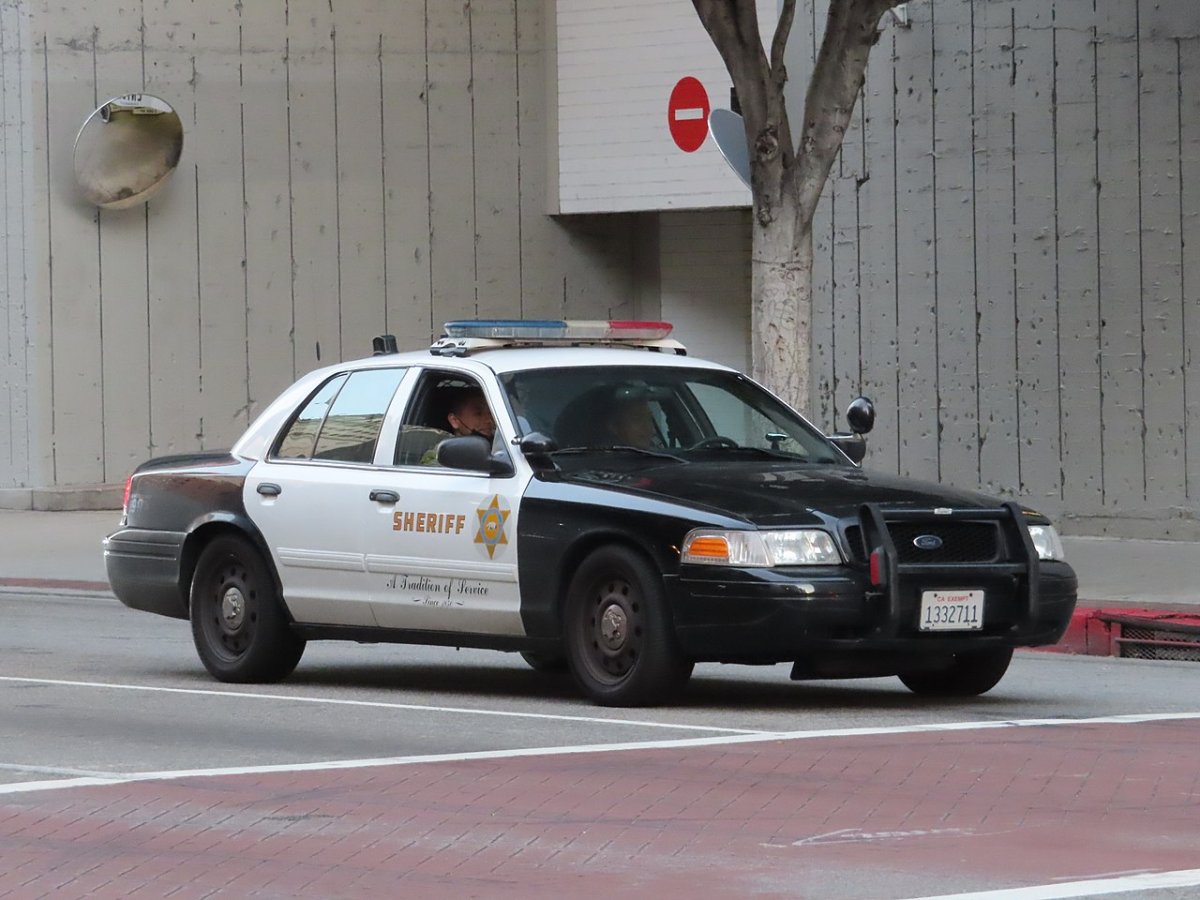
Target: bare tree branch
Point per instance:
(782, 30)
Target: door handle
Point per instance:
(267, 489)
(384, 496)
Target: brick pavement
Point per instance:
(821, 817)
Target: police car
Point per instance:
(588, 495)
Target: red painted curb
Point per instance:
(1095, 631)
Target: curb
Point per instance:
(56, 586)
(1123, 631)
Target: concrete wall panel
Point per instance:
(916, 287)
(172, 264)
(1189, 232)
(877, 253)
(266, 227)
(1034, 256)
(1049, 152)
(1122, 409)
(1162, 254)
(16, 178)
(953, 136)
(348, 169)
(74, 300)
(121, 244)
(1077, 279)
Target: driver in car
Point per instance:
(469, 414)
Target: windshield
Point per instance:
(663, 409)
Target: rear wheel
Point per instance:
(238, 622)
(620, 642)
(965, 675)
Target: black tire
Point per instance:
(547, 663)
(966, 675)
(620, 642)
(238, 621)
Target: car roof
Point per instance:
(515, 359)
(480, 363)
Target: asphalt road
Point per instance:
(101, 706)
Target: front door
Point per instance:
(444, 557)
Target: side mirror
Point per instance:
(473, 453)
(537, 448)
(853, 445)
(860, 415)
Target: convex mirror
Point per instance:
(126, 150)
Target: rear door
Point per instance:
(310, 496)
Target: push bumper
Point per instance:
(838, 613)
(143, 570)
(769, 616)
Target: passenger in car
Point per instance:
(629, 422)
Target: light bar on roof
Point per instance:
(558, 330)
(506, 328)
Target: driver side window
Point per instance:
(444, 405)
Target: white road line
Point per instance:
(1150, 881)
(681, 743)
(371, 704)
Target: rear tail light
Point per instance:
(125, 499)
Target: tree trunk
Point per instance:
(786, 181)
(781, 313)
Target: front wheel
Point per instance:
(238, 622)
(620, 642)
(546, 663)
(965, 675)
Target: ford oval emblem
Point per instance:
(927, 542)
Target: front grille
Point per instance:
(962, 541)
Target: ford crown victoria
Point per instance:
(590, 496)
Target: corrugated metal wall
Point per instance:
(1006, 257)
(348, 169)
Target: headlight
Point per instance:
(1046, 542)
(806, 547)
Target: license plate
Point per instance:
(951, 611)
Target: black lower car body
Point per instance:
(833, 622)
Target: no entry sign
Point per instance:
(687, 114)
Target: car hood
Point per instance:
(772, 494)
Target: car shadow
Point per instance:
(704, 691)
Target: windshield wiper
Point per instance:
(762, 451)
(618, 448)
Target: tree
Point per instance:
(786, 179)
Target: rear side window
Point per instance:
(342, 420)
(301, 436)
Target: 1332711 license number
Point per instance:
(951, 611)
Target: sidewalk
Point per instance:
(1118, 578)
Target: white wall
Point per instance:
(618, 61)
(705, 282)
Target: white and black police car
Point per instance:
(602, 502)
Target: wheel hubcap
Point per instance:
(233, 609)
(613, 627)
